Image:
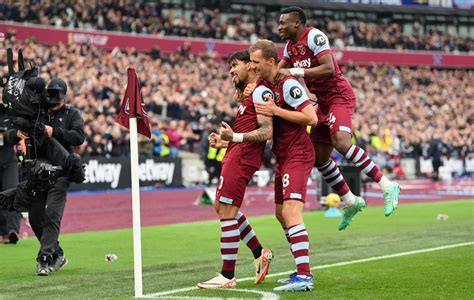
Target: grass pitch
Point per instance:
(178, 256)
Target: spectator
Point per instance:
(145, 18)
(396, 105)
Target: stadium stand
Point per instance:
(177, 20)
(402, 111)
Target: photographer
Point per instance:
(9, 220)
(63, 129)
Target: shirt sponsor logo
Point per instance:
(242, 109)
(319, 40)
(303, 63)
(267, 95)
(296, 92)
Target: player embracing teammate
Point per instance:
(278, 104)
(292, 112)
(242, 159)
(284, 110)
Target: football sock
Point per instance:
(230, 239)
(300, 248)
(248, 236)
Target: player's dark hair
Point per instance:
(268, 48)
(296, 12)
(239, 55)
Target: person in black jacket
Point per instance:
(62, 124)
(9, 220)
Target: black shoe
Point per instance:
(58, 263)
(13, 236)
(42, 269)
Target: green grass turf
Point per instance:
(179, 256)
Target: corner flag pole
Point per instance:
(132, 115)
(137, 239)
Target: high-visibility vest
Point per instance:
(165, 150)
(211, 153)
(217, 154)
(375, 141)
(221, 154)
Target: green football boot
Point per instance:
(351, 211)
(390, 197)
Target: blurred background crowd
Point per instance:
(177, 20)
(401, 111)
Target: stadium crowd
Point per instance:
(154, 19)
(401, 110)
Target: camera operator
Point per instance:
(62, 123)
(9, 220)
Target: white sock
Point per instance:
(348, 198)
(385, 183)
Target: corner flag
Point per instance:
(132, 115)
(133, 106)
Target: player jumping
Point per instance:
(308, 54)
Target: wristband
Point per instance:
(299, 72)
(238, 137)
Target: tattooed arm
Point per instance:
(261, 134)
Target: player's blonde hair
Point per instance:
(268, 48)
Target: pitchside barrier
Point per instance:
(352, 176)
(115, 173)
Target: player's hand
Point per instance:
(215, 140)
(285, 72)
(238, 96)
(249, 89)
(226, 132)
(21, 134)
(268, 108)
(48, 131)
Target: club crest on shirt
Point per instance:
(301, 49)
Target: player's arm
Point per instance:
(318, 43)
(295, 96)
(261, 134)
(283, 64)
(306, 116)
(325, 68)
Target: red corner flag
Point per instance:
(133, 106)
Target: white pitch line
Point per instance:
(344, 263)
(265, 295)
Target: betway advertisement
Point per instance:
(115, 173)
(52, 35)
